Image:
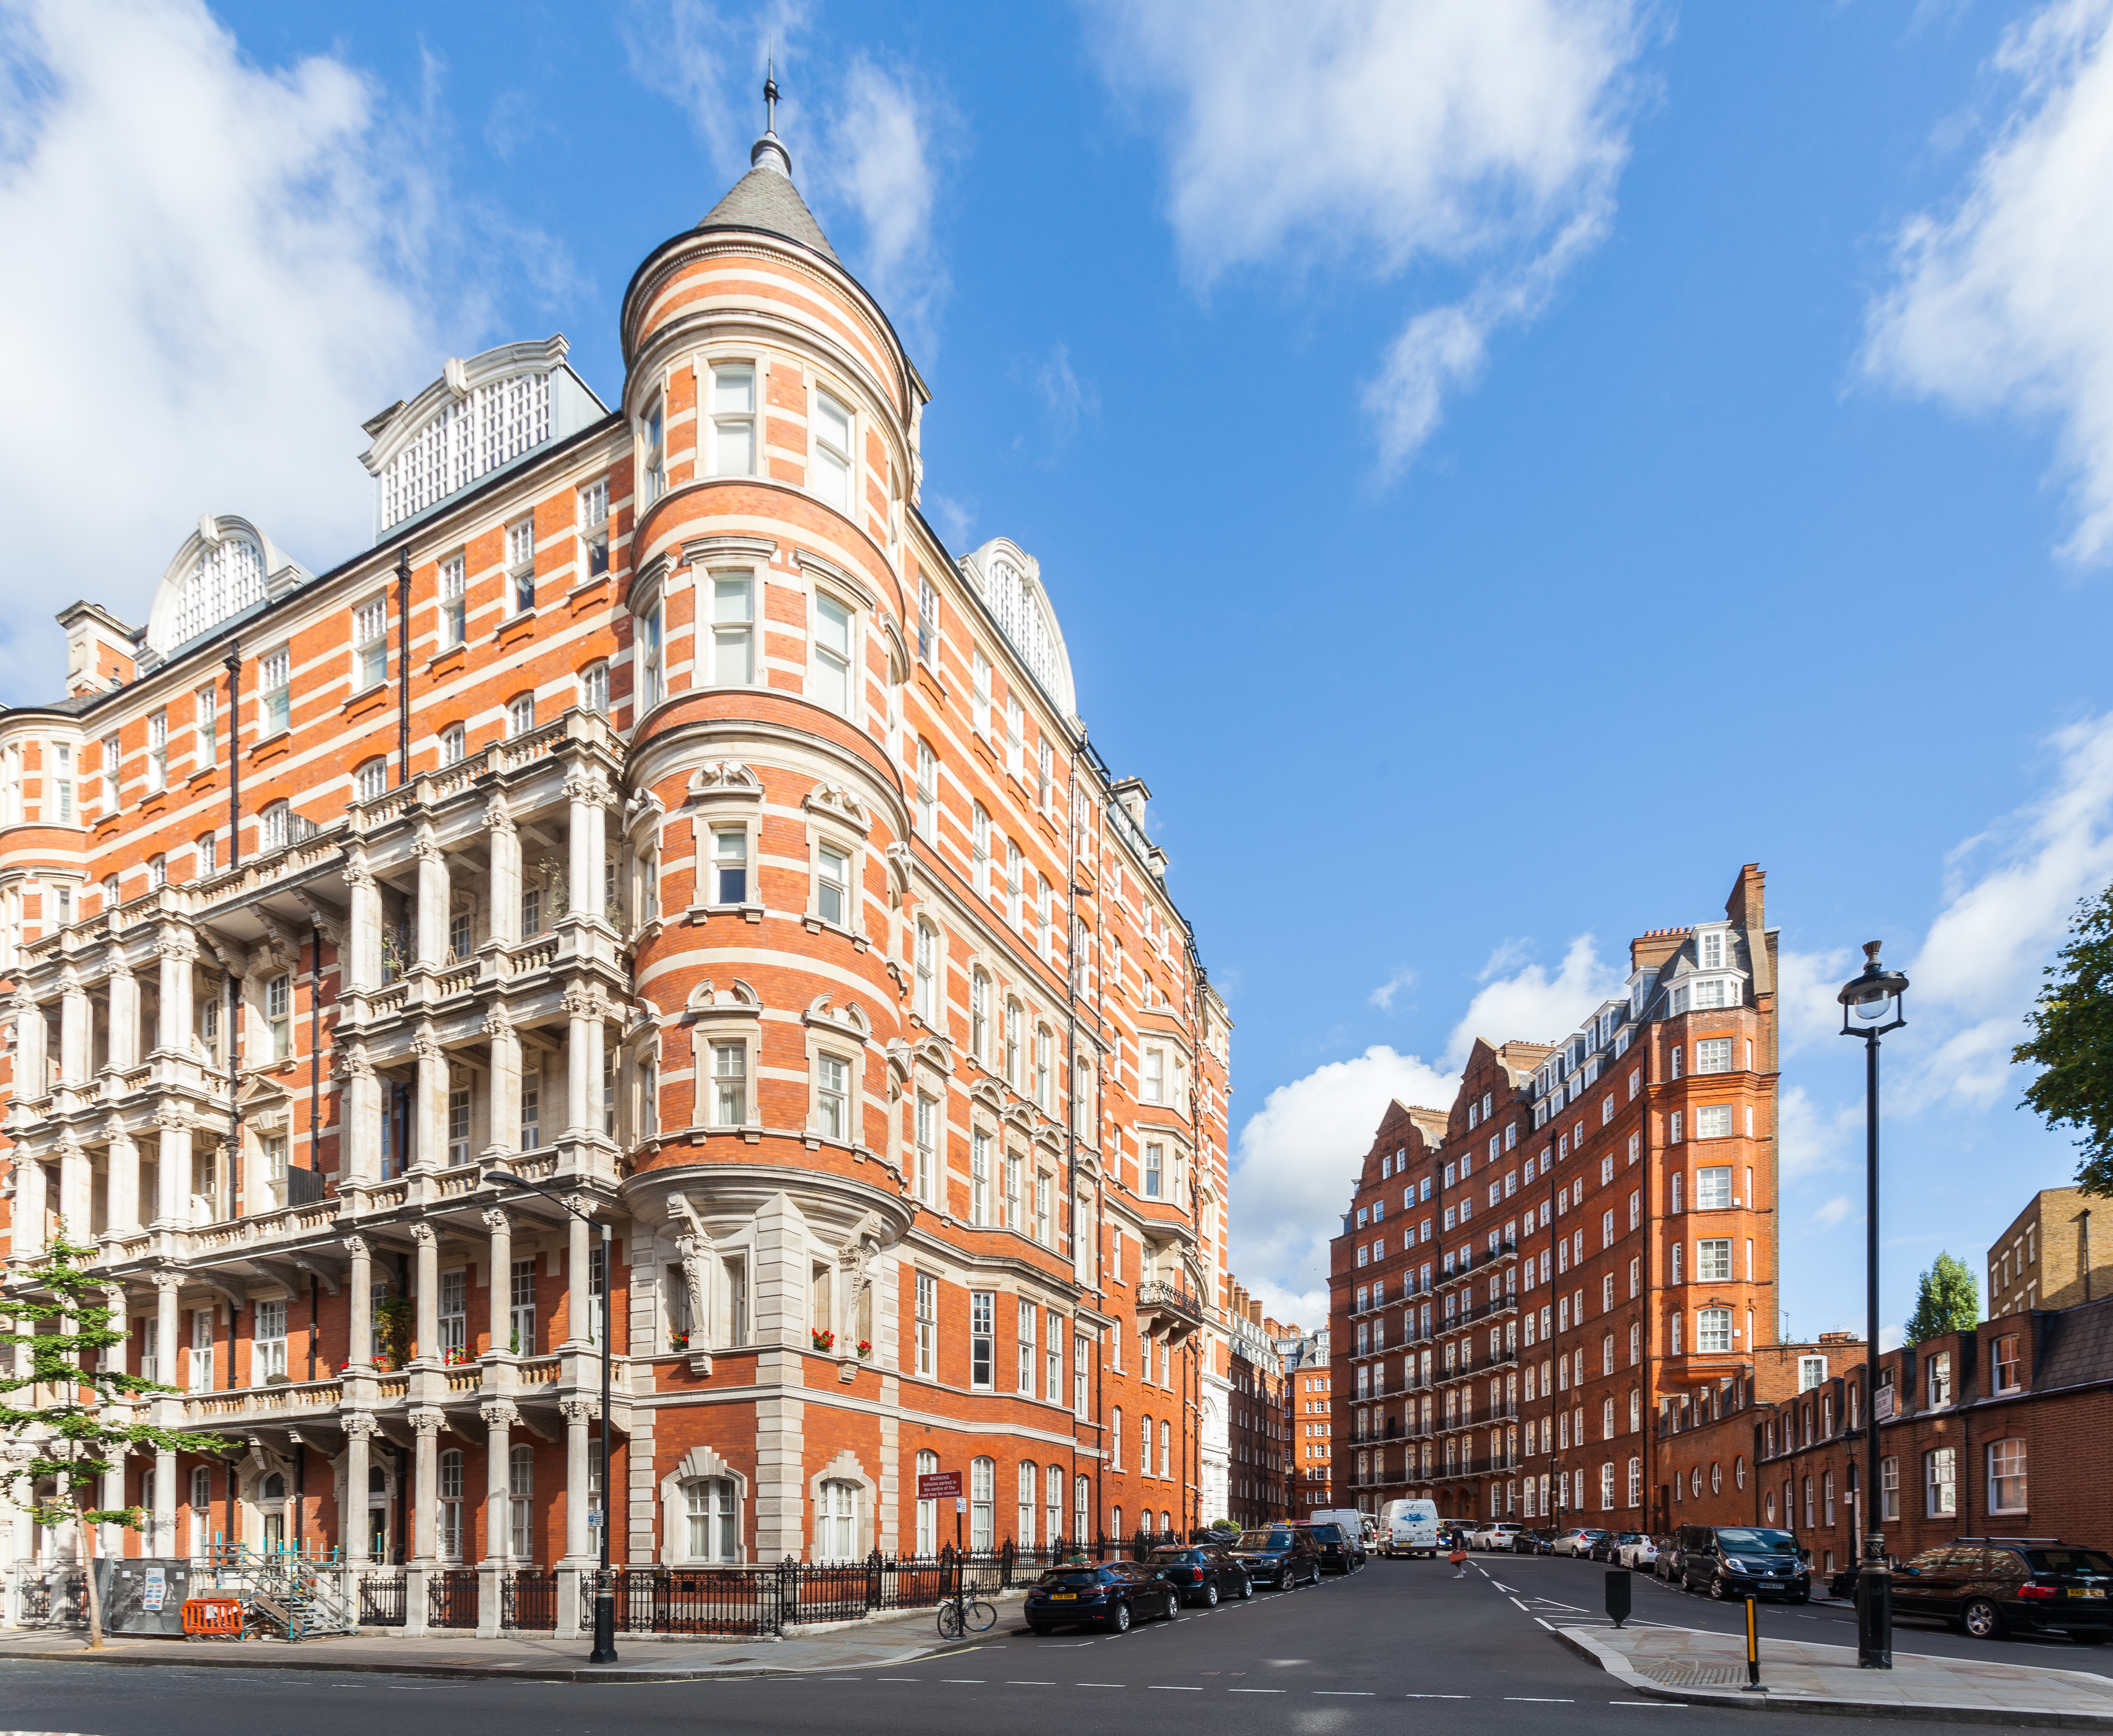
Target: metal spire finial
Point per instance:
(770, 92)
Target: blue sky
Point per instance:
(1501, 464)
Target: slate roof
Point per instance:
(765, 198)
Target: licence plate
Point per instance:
(1063, 1597)
(2079, 1591)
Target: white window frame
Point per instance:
(732, 591)
(832, 469)
(830, 667)
(370, 643)
(744, 419)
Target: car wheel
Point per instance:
(1718, 1588)
(1983, 1619)
(1211, 1596)
(1247, 1589)
(1119, 1618)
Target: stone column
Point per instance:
(430, 1110)
(585, 1009)
(502, 1273)
(76, 1178)
(73, 1030)
(363, 926)
(31, 1205)
(359, 1427)
(587, 793)
(359, 1304)
(29, 1060)
(505, 842)
(499, 1417)
(110, 1536)
(121, 1197)
(581, 1316)
(168, 1323)
(425, 1480)
(176, 950)
(433, 895)
(123, 1017)
(427, 1347)
(172, 1173)
(361, 1133)
(581, 1415)
(504, 1108)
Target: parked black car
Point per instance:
(1989, 1588)
(1203, 1573)
(1534, 1543)
(1667, 1567)
(1743, 1560)
(1340, 1553)
(1112, 1597)
(1281, 1555)
(1608, 1545)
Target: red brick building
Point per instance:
(1262, 1430)
(1522, 1278)
(1311, 1382)
(659, 803)
(1998, 1432)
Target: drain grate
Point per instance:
(1683, 1672)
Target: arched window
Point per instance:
(1082, 1500)
(1144, 1437)
(594, 688)
(448, 1532)
(1166, 1450)
(1012, 1022)
(927, 1511)
(1716, 1477)
(979, 1017)
(1636, 1482)
(521, 714)
(979, 850)
(1768, 1506)
(714, 1524)
(983, 1501)
(1115, 1522)
(272, 827)
(271, 1500)
(925, 1003)
(454, 745)
(521, 1499)
(370, 782)
(1023, 1517)
(1052, 1504)
(836, 1522)
(1115, 1437)
(1739, 1472)
(1694, 1482)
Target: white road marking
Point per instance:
(1162, 1687)
(1258, 1690)
(1100, 1684)
(1018, 1681)
(1437, 1697)
(1345, 1694)
(1520, 1604)
(1539, 1700)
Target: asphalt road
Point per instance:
(1398, 1641)
(1566, 1591)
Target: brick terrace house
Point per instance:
(1998, 1432)
(1523, 1277)
(658, 803)
(1309, 1382)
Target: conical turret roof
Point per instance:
(764, 198)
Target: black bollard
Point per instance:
(1617, 1594)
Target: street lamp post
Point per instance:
(1871, 1005)
(604, 1624)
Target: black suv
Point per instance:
(1203, 1573)
(1340, 1553)
(1280, 1555)
(1743, 1560)
(1987, 1589)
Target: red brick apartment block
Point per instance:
(658, 805)
(1524, 1278)
(1263, 1429)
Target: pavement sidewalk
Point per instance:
(1702, 1668)
(895, 1639)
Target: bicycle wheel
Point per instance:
(981, 1617)
(950, 1621)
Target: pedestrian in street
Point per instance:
(1459, 1558)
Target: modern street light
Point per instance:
(1871, 1005)
(604, 1627)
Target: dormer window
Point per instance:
(733, 418)
(1711, 952)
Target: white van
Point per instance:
(1409, 1527)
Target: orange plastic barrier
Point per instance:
(218, 1617)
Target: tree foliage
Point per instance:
(60, 1403)
(1947, 1300)
(2072, 1042)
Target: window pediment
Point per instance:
(834, 802)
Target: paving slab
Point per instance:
(548, 1658)
(1705, 1669)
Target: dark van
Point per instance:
(1742, 1561)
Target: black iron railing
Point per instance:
(381, 1601)
(451, 1599)
(528, 1598)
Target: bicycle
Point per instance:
(962, 1615)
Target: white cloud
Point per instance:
(1978, 968)
(1838, 1210)
(2001, 302)
(1806, 984)
(231, 264)
(1533, 1006)
(1299, 1159)
(1485, 136)
(1812, 1139)
(1070, 400)
(881, 159)
(1383, 997)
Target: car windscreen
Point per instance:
(1324, 1534)
(1754, 1542)
(1265, 1540)
(1072, 1576)
(1179, 1557)
(2069, 1561)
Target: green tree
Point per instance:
(1948, 1300)
(2072, 1041)
(74, 1437)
